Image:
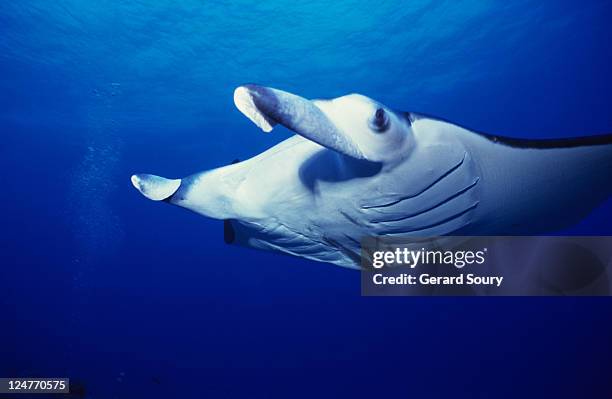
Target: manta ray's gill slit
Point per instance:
(424, 190)
(350, 218)
(353, 255)
(299, 244)
(431, 208)
(316, 251)
(353, 240)
(439, 223)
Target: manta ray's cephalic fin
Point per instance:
(267, 107)
(155, 188)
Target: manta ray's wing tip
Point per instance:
(243, 99)
(155, 188)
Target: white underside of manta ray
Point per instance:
(356, 168)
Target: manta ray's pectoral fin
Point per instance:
(155, 188)
(267, 107)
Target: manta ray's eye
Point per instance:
(380, 121)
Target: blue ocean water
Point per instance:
(130, 298)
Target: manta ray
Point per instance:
(356, 168)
